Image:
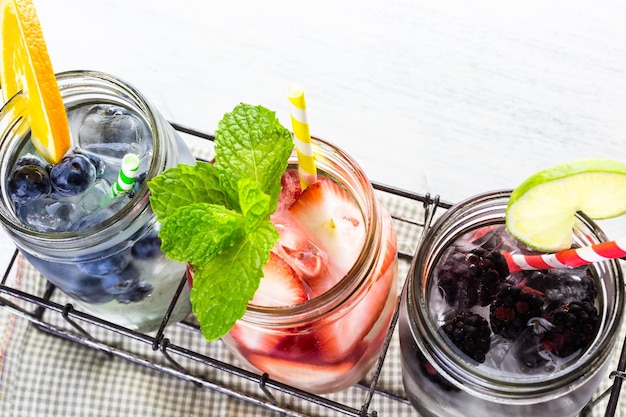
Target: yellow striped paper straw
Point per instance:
(302, 136)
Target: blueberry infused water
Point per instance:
(76, 192)
(479, 340)
(98, 246)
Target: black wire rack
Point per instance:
(42, 308)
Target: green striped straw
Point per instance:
(128, 172)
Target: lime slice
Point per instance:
(25, 66)
(542, 209)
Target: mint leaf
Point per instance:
(254, 203)
(251, 143)
(183, 185)
(196, 233)
(223, 286)
(217, 217)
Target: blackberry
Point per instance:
(574, 326)
(562, 286)
(513, 306)
(472, 278)
(470, 333)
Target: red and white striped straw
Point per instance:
(569, 258)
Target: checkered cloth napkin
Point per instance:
(45, 375)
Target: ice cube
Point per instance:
(309, 261)
(48, 214)
(532, 357)
(498, 356)
(100, 215)
(96, 197)
(113, 131)
(295, 246)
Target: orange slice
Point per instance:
(26, 67)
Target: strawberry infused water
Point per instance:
(481, 339)
(297, 327)
(299, 282)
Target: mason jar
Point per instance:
(331, 341)
(526, 367)
(113, 268)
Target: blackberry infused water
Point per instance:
(479, 341)
(532, 321)
(102, 251)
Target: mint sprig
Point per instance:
(216, 217)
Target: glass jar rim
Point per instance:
(107, 88)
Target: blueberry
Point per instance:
(147, 247)
(27, 183)
(86, 288)
(137, 294)
(139, 180)
(72, 175)
(111, 265)
(123, 282)
(70, 279)
(92, 219)
(30, 159)
(97, 162)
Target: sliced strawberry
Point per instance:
(334, 223)
(295, 245)
(301, 346)
(291, 189)
(280, 285)
(389, 245)
(365, 322)
(247, 338)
